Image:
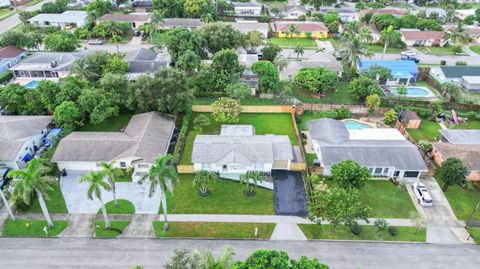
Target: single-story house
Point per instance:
(238, 149)
(247, 8)
(182, 22)
(461, 144)
(67, 19)
(10, 56)
(474, 33)
(463, 13)
(20, 138)
(146, 137)
(317, 30)
(247, 59)
(142, 5)
(46, 65)
(471, 83)
(328, 61)
(394, 11)
(291, 12)
(136, 19)
(455, 74)
(145, 61)
(415, 37)
(402, 71)
(431, 10)
(346, 14)
(385, 151)
(251, 79)
(409, 119)
(248, 26)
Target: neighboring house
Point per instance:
(238, 149)
(20, 138)
(402, 71)
(145, 61)
(316, 30)
(248, 26)
(456, 75)
(247, 60)
(415, 37)
(474, 33)
(10, 56)
(385, 151)
(293, 12)
(461, 144)
(463, 13)
(471, 83)
(5, 3)
(346, 14)
(146, 137)
(46, 65)
(142, 5)
(136, 19)
(251, 79)
(431, 10)
(247, 9)
(294, 67)
(65, 20)
(409, 119)
(190, 24)
(393, 11)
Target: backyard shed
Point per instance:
(409, 119)
(402, 71)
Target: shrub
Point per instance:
(392, 230)
(356, 229)
(443, 62)
(200, 122)
(6, 76)
(343, 113)
(461, 63)
(226, 110)
(390, 117)
(472, 115)
(381, 226)
(181, 137)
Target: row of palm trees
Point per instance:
(251, 179)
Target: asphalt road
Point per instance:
(153, 253)
(434, 59)
(14, 20)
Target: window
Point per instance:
(370, 170)
(378, 171)
(123, 164)
(385, 171)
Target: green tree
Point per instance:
(372, 102)
(457, 35)
(362, 87)
(306, 263)
(195, 8)
(239, 91)
(352, 50)
(269, 79)
(220, 36)
(170, 8)
(454, 91)
(425, 146)
(61, 41)
(251, 40)
(225, 68)
(180, 40)
(98, 8)
(299, 51)
(12, 98)
(96, 183)
(251, 179)
(71, 88)
(226, 110)
(173, 94)
(108, 170)
(21, 40)
(382, 73)
(68, 115)
(349, 174)
(201, 180)
(182, 259)
(48, 93)
(91, 67)
(401, 90)
(390, 117)
(189, 62)
(388, 36)
(163, 175)
(99, 104)
(270, 52)
(206, 259)
(200, 122)
(115, 65)
(265, 258)
(115, 39)
(110, 28)
(366, 35)
(316, 79)
(292, 31)
(117, 84)
(452, 171)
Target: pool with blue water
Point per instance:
(31, 84)
(353, 124)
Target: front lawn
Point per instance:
(5, 13)
(462, 201)
(471, 124)
(475, 48)
(379, 49)
(117, 226)
(32, 228)
(428, 131)
(315, 231)
(113, 124)
(310, 158)
(264, 123)
(124, 207)
(226, 197)
(475, 233)
(55, 203)
(340, 96)
(436, 50)
(296, 41)
(226, 230)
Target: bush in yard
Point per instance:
(381, 226)
(401, 90)
(453, 90)
(425, 146)
(362, 87)
(443, 62)
(68, 115)
(461, 63)
(316, 79)
(390, 117)
(392, 230)
(200, 122)
(452, 172)
(349, 174)
(372, 103)
(356, 229)
(239, 90)
(201, 180)
(61, 41)
(381, 72)
(269, 80)
(226, 110)
(343, 113)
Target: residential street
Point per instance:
(14, 20)
(151, 253)
(433, 59)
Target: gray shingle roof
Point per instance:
(180, 22)
(43, 61)
(460, 71)
(328, 130)
(144, 60)
(15, 130)
(146, 137)
(67, 16)
(461, 136)
(469, 154)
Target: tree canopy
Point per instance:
(316, 79)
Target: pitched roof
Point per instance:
(247, 26)
(131, 17)
(146, 137)
(67, 16)
(53, 61)
(10, 52)
(328, 130)
(461, 136)
(407, 115)
(422, 35)
(144, 60)
(460, 71)
(246, 4)
(392, 11)
(15, 130)
(468, 154)
(302, 26)
(289, 8)
(180, 22)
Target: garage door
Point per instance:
(411, 174)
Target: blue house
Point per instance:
(9, 56)
(402, 71)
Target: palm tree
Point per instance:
(164, 175)
(252, 179)
(457, 35)
(116, 39)
(387, 36)
(201, 180)
(292, 30)
(109, 171)
(350, 30)
(96, 183)
(33, 179)
(366, 35)
(7, 205)
(206, 259)
(299, 51)
(81, 69)
(351, 52)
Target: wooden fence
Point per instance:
(404, 131)
(355, 109)
(249, 109)
(185, 169)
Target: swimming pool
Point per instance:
(353, 124)
(31, 84)
(415, 91)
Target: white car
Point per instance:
(409, 53)
(421, 192)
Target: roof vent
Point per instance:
(53, 64)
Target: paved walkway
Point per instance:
(287, 231)
(79, 225)
(140, 227)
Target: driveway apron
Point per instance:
(289, 193)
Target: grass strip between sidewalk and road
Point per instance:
(117, 225)
(32, 228)
(475, 233)
(224, 230)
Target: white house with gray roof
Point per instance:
(146, 137)
(238, 149)
(384, 151)
(71, 18)
(145, 61)
(247, 8)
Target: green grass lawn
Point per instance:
(475, 48)
(33, 2)
(226, 197)
(471, 124)
(245, 102)
(157, 38)
(6, 12)
(264, 123)
(379, 49)
(428, 131)
(436, 50)
(315, 231)
(124, 207)
(308, 115)
(475, 232)
(101, 232)
(296, 41)
(32, 228)
(113, 124)
(341, 96)
(462, 201)
(310, 158)
(56, 203)
(214, 230)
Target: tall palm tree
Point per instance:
(366, 35)
(116, 39)
(96, 183)
(109, 172)
(7, 205)
(457, 35)
(352, 51)
(292, 30)
(350, 30)
(206, 259)
(164, 175)
(201, 180)
(387, 36)
(299, 51)
(33, 179)
(251, 179)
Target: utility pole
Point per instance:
(471, 215)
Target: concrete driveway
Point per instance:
(75, 195)
(289, 192)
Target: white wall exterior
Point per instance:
(248, 10)
(233, 168)
(27, 148)
(294, 14)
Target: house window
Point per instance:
(123, 165)
(370, 170)
(411, 174)
(378, 171)
(385, 171)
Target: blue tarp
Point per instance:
(399, 68)
(52, 135)
(27, 157)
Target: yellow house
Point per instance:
(317, 30)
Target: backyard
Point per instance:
(214, 230)
(340, 96)
(471, 124)
(296, 41)
(225, 197)
(113, 124)
(428, 131)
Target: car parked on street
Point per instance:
(421, 192)
(95, 42)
